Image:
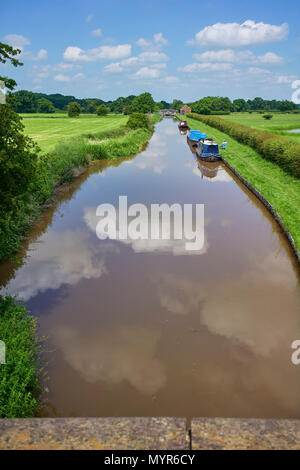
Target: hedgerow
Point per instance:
(280, 150)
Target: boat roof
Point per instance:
(196, 134)
(209, 142)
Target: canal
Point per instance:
(144, 328)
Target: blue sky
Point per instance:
(174, 49)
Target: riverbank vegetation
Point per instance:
(19, 385)
(278, 186)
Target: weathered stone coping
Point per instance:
(148, 433)
(253, 434)
(93, 433)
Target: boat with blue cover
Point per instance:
(208, 150)
(194, 137)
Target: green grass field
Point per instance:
(277, 125)
(48, 129)
(278, 187)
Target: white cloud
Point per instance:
(235, 34)
(139, 61)
(61, 78)
(41, 55)
(97, 32)
(205, 67)
(63, 67)
(79, 76)
(153, 57)
(258, 70)
(20, 42)
(143, 43)
(89, 18)
(159, 39)
(76, 54)
(170, 79)
(115, 67)
(288, 79)
(271, 59)
(147, 72)
(231, 56)
(158, 42)
(16, 40)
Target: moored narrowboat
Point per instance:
(183, 125)
(208, 150)
(194, 136)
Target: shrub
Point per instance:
(267, 116)
(280, 150)
(127, 110)
(73, 109)
(102, 110)
(138, 121)
(220, 113)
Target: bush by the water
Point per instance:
(138, 121)
(102, 110)
(267, 116)
(280, 150)
(74, 109)
(19, 376)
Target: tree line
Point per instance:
(24, 101)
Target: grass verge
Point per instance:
(280, 188)
(19, 386)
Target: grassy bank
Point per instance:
(19, 376)
(48, 129)
(280, 188)
(279, 124)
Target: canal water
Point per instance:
(144, 328)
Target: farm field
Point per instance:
(48, 129)
(279, 124)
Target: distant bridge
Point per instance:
(168, 112)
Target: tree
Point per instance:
(24, 102)
(44, 106)
(287, 105)
(143, 103)
(240, 105)
(137, 121)
(73, 109)
(8, 53)
(102, 110)
(127, 109)
(177, 104)
(18, 153)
